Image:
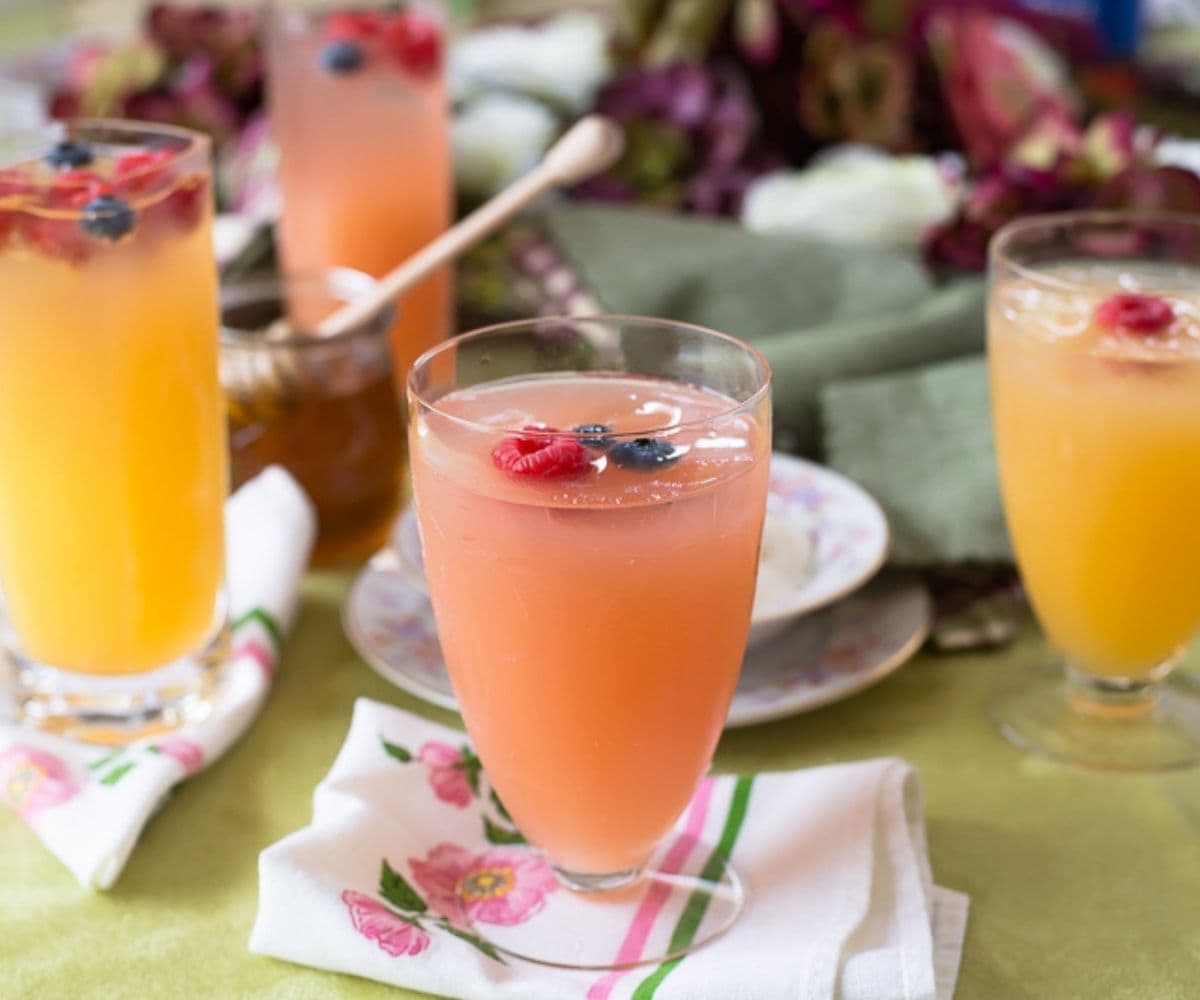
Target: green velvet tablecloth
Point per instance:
(1081, 885)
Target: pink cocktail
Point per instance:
(591, 498)
(359, 108)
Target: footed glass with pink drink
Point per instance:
(591, 496)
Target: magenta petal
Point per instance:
(377, 923)
(438, 876)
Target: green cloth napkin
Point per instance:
(923, 440)
(830, 319)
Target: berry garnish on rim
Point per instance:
(406, 37)
(142, 172)
(644, 453)
(545, 454)
(60, 236)
(1135, 313)
(108, 217)
(594, 435)
(415, 41)
(69, 155)
(342, 57)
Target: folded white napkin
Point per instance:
(88, 804)
(840, 898)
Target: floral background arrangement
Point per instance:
(946, 118)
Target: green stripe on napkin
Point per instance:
(697, 905)
(267, 621)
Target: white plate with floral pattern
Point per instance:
(819, 658)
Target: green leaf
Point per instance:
(499, 805)
(397, 751)
(104, 761)
(475, 942)
(470, 766)
(396, 891)
(117, 773)
(499, 835)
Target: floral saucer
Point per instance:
(820, 658)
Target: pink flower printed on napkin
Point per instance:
(32, 780)
(189, 754)
(377, 923)
(505, 885)
(447, 772)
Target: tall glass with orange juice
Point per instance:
(1094, 351)
(112, 444)
(591, 497)
(360, 111)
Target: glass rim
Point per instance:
(1000, 253)
(414, 395)
(121, 130)
(192, 139)
(264, 286)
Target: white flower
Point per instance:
(856, 195)
(1174, 151)
(563, 61)
(496, 139)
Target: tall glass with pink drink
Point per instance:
(359, 108)
(591, 496)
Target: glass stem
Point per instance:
(1111, 698)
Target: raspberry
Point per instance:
(544, 455)
(1135, 313)
(352, 25)
(187, 202)
(14, 186)
(141, 173)
(13, 183)
(62, 237)
(415, 41)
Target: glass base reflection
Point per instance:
(1076, 720)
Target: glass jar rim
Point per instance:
(268, 286)
(1001, 251)
(763, 372)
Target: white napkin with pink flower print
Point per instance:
(89, 804)
(406, 837)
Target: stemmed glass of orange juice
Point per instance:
(112, 440)
(591, 496)
(1094, 354)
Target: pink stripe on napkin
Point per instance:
(647, 914)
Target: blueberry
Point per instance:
(644, 453)
(69, 155)
(597, 435)
(341, 57)
(107, 217)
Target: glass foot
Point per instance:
(1078, 720)
(646, 917)
(114, 710)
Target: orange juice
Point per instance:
(1098, 437)
(593, 623)
(112, 445)
(364, 152)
